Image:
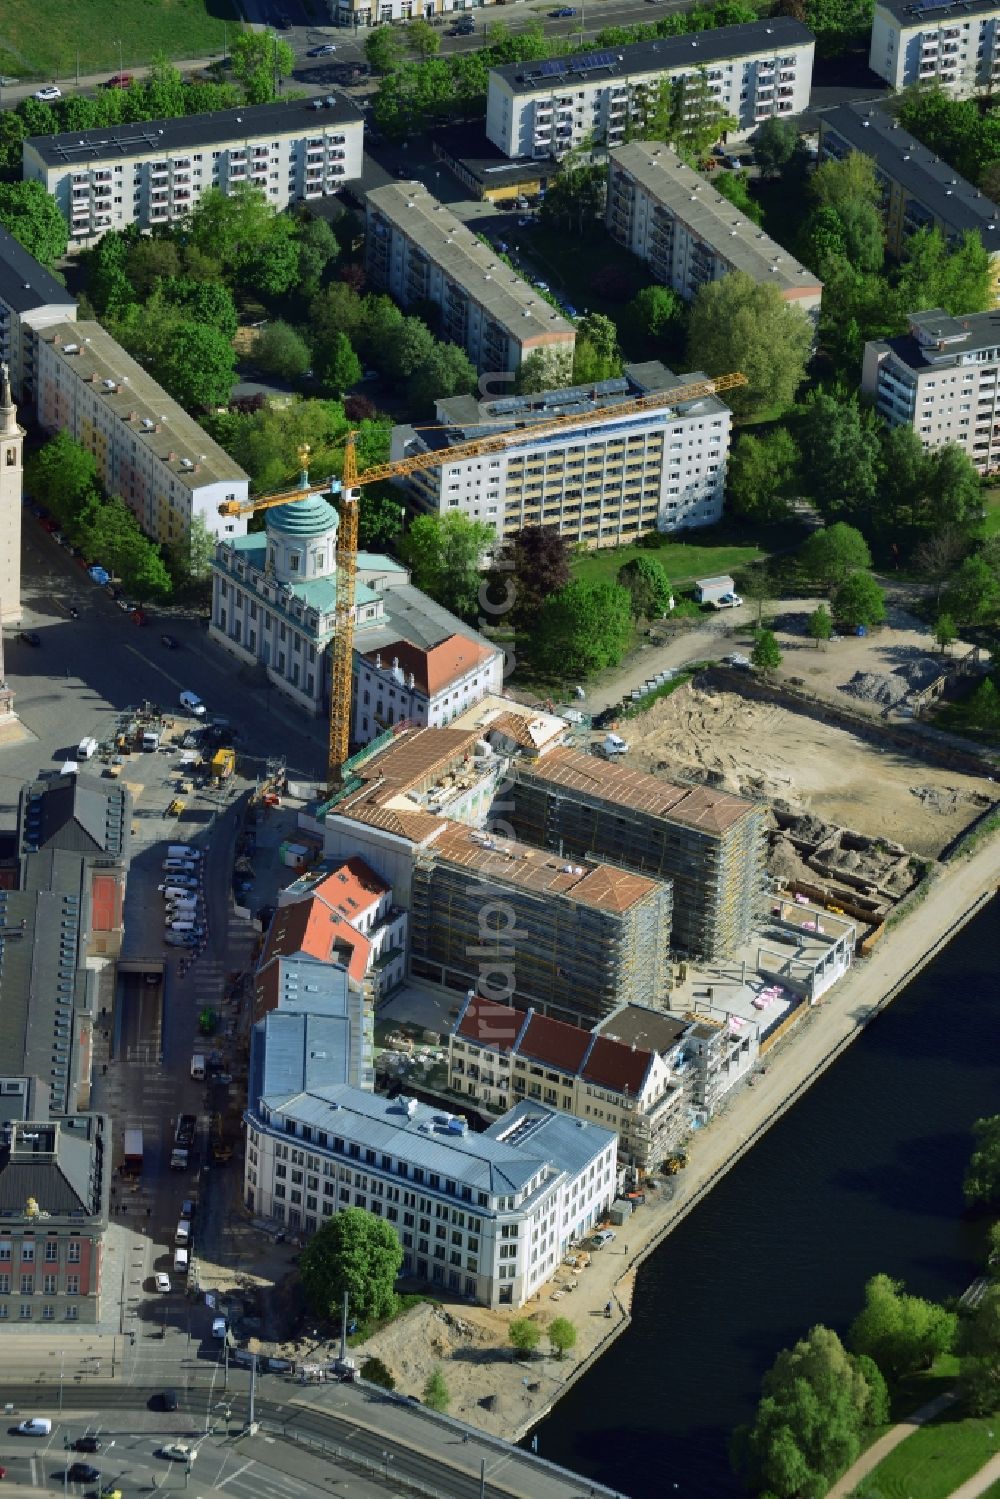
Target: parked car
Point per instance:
(193, 703)
(604, 1236)
(562, 11)
(168, 1400)
(49, 94)
(323, 51)
(162, 1282)
(219, 1328)
(120, 80)
(125, 605)
(30, 637)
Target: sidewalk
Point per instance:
(988, 1474)
(879, 1450)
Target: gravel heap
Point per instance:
(889, 689)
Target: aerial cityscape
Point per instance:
(499, 691)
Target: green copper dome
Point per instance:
(303, 517)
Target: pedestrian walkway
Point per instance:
(880, 1450)
(988, 1475)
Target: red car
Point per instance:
(120, 80)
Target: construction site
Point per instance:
(524, 926)
(852, 817)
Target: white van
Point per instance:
(182, 1234)
(181, 1258)
(183, 902)
(150, 741)
(175, 892)
(179, 866)
(182, 851)
(87, 748)
(198, 1066)
(193, 703)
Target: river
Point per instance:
(862, 1175)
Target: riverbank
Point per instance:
(488, 1388)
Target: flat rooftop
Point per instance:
(24, 283)
(130, 394)
(694, 202)
(924, 13)
(603, 887)
(664, 55)
(470, 263)
(937, 340)
(476, 154)
(463, 418)
(901, 157)
(159, 137)
(645, 1029)
(698, 807)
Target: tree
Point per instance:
(738, 324)
(979, 1347)
(982, 711)
(340, 367)
(840, 456)
(197, 365)
(954, 490)
(900, 1333)
(443, 553)
(524, 1335)
(762, 475)
(575, 200)
(422, 40)
(534, 565)
(546, 369)
(652, 314)
(697, 120)
(259, 60)
(735, 187)
(982, 1176)
(820, 625)
(200, 547)
(831, 554)
(318, 249)
(59, 474)
(29, 213)
(936, 274)
(384, 49)
(846, 219)
(972, 596)
(436, 1394)
(207, 302)
(766, 654)
(562, 1336)
(281, 350)
(446, 370)
(859, 601)
(816, 1405)
(380, 518)
(602, 335)
(356, 1253)
(583, 628)
(945, 632)
(376, 1372)
(774, 145)
(647, 582)
(145, 573)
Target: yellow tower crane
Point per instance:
(345, 494)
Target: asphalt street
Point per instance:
(308, 1438)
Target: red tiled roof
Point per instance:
(434, 669)
(555, 1042)
(491, 1024)
(615, 1066)
(351, 889)
(310, 927)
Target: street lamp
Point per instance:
(121, 65)
(62, 1367)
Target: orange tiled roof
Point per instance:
(435, 669)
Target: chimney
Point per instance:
(171, 457)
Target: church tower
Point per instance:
(11, 484)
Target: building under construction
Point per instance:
(709, 843)
(575, 940)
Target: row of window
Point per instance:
(50, 1285)
(51, 1248)
(71, 1313)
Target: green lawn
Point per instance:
(935, 1459)
(38, 41)
(682, 561)
(991, 504)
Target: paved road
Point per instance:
(303, 1433)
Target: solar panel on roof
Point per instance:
(595, 60)
(550, 69)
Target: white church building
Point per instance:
(274, 595)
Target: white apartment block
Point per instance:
(30, 298)
(599, 484)
(941, 380)
(753, 72)
(417, 251)
(406, 683)
(668, 215)
(153, 172)
(149, 451)
(486, 1216)
(953, 45)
